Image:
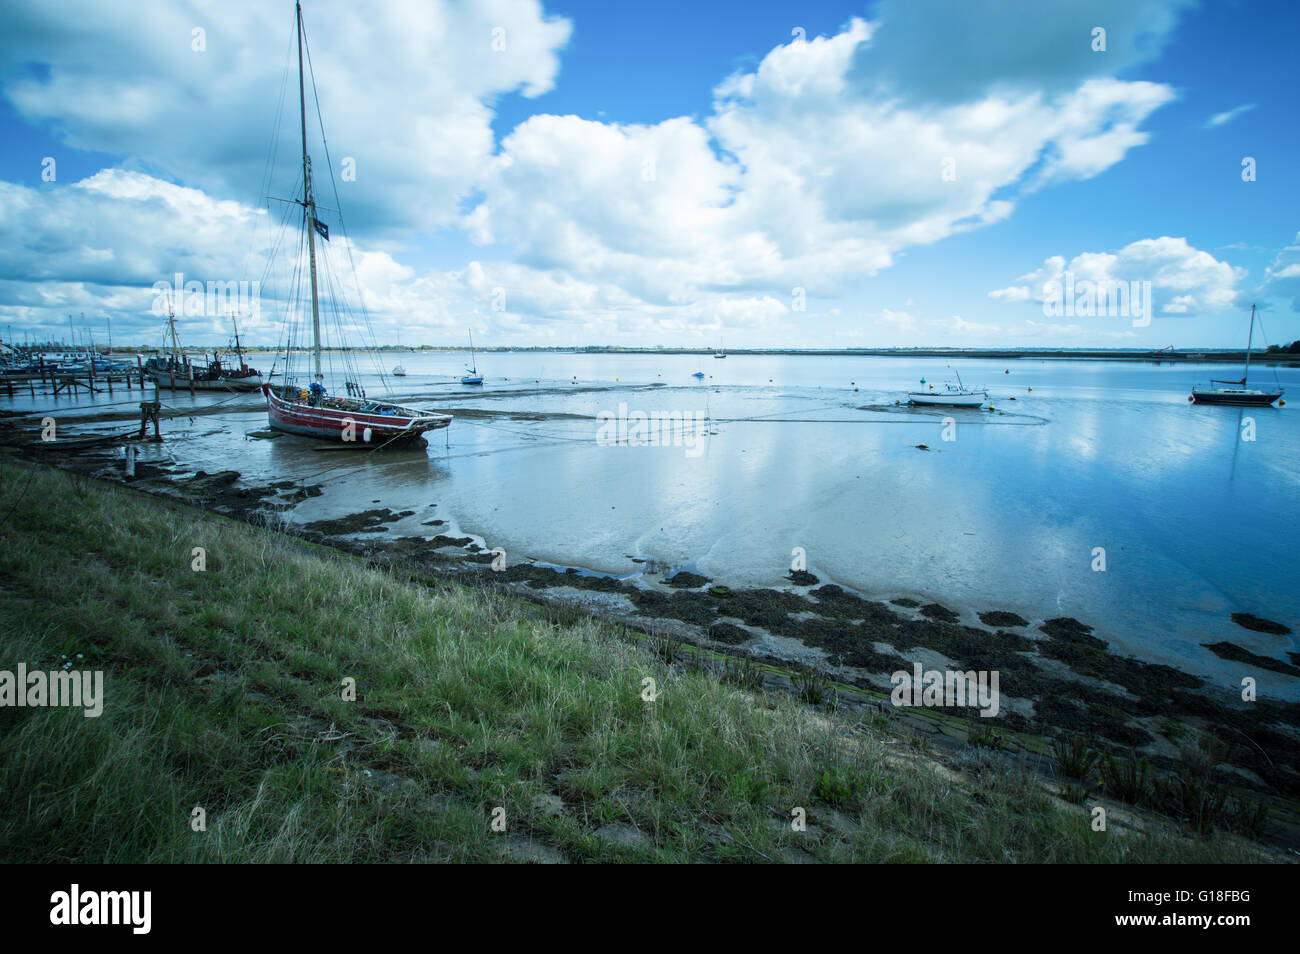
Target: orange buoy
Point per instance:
(1191, 397)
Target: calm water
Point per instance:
(1196, 522)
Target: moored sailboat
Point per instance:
(313, 411)
(471, 375)
(177, 371)
(1239, 394)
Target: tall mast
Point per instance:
(308, 207)
(239, 352)
(1251, 337)
(171, 325)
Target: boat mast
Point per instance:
(171, 325)
(308, 207)
(472, 360)
(1249, 338)
(239, 352)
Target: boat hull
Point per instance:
(938, 399)
(1239, 398)
(178, 382)
(348, 424)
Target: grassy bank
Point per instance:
(224, 690)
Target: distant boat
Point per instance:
(721, 352)
(1240, 395)
(312, 411)
(399, 371)
(471, 375)
(698, 374)
(952, 395)
(179, 373)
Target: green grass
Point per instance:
(224, 691)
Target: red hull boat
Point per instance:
(368, 423)
(313, 411)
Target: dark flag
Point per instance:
(322, 229)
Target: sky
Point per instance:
(755, 174)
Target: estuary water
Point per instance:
(1092, 489)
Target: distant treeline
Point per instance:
(1292, 348)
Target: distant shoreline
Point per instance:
(1011, 354)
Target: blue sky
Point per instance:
(675, 174)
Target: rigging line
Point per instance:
(1260, 321)
(347, 241)
(268, 168)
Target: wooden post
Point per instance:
(149, 412)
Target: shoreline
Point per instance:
(222, 691)
(1188, 355)
(1057, 677)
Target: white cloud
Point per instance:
(1183, 279)
(1221, 119)
(1282, 277)
(406, 89)
(798, 179)
(808, 173)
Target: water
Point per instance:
(1195, 521)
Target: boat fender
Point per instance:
(365, 435)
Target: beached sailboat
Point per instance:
(175, 369)
(1240, 394)
(952, 395)
(471, 375)
(313, 411)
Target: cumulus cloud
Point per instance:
(816, 168)
(406, 90)
(801, 177)
(1183, 279)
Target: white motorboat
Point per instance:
(951, 395)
